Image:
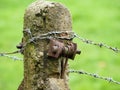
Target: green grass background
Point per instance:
(98, 20)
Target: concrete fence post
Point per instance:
(40, 71)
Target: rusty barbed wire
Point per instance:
(95, 76)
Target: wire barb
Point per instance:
(94, 76)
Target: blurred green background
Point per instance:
(97, 20)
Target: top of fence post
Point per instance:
(40, 71)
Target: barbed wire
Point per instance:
(49, 35)
(115, 49)
(11, 57)
(94, 76)
(63, 35)
(69, 36)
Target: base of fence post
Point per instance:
(55, 84)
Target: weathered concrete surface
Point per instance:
(40, 72)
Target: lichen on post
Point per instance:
(41, 72)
